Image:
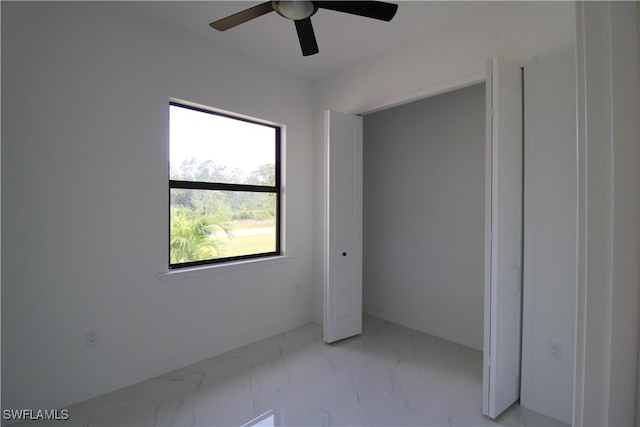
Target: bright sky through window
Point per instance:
(229, 142)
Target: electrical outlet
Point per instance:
(555, 350)
(91, 337)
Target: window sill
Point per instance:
(220, 268)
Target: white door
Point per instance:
(503, 248)
(343, 226)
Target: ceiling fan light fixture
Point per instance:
(295, 10)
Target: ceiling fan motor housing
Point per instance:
(295, 10)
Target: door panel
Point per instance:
(343, 286)
(342, 296)
(341, 167)
(503, 282)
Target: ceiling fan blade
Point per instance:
(371, 9)
(306, 36)
(242, 17)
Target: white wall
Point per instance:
(423, 263)
(516, 31)
(550, 234)
(85, 92)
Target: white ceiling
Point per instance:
(343, 39)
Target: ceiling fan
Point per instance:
(300, 12)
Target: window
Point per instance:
(224, 185)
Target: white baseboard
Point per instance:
(546, 404)
(424, 324)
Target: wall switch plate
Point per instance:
(555, 350)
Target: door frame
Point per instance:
(427, 92)
(605, 389)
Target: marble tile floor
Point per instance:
(388, 376)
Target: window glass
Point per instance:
(224, 188)
(212, 148)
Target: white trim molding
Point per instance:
(608, 214)
(426, 92)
